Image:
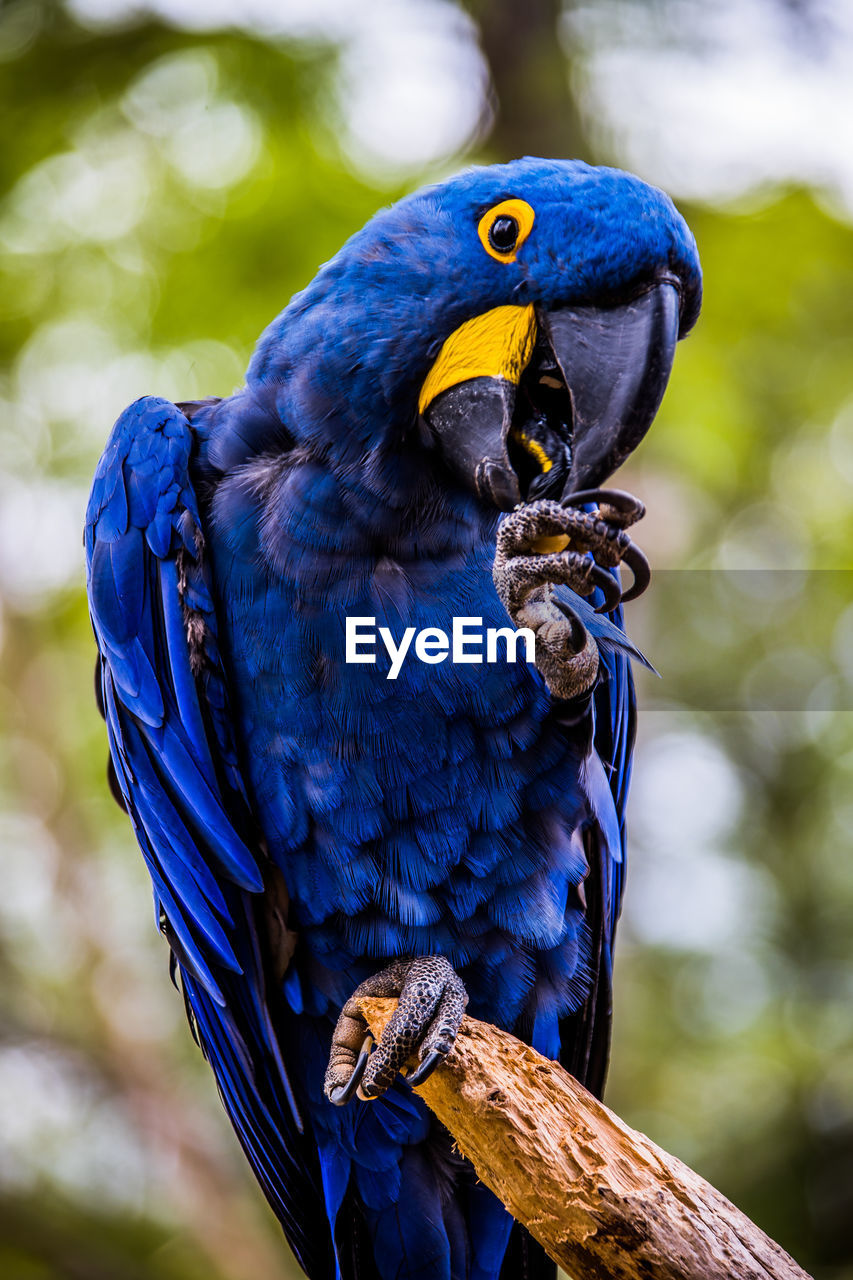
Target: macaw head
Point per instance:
(524, 315)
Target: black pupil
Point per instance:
(503, 233)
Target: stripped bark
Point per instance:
(602, 1199)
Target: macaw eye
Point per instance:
(503, 234)
(504, 229)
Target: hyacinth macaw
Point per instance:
(420, 437)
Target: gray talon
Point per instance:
(526, 568)
(628, 509)
(577, 638)
(431, 1003)
(609, 586)
(339, 1094)
(639, 566)
(427, 1067)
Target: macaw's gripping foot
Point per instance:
(546, 543)
(555, 542)
(432, 1001)
(606, 538)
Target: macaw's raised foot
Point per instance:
(547, 543)
(432, 1001)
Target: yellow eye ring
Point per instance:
(504, 229)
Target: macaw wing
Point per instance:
(154, 623)
(163, 691)
(606, 773)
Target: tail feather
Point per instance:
(525, 1259)
(419, 1234)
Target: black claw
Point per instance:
(431, 1004)
(636, 561)
(618, 499)
(608, 584)
(578, 637)
(426, 1068)
(342, 1093)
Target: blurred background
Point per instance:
(172, 170)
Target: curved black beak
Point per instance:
(616, 362)
(471, 422)
(585, 399)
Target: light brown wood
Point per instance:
(602, 1199)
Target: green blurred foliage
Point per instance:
(164, 192)
(49, 1238)
(737, 1052)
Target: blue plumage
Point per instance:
(455, 810)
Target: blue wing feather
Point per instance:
(616, 720)
(165, 700)
(606, 631)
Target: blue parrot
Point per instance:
(420, 438)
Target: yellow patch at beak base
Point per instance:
(497, 344)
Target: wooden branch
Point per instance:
(601, 1198)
